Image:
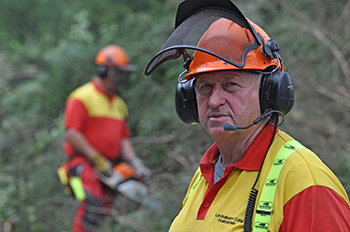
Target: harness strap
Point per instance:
(264, 209)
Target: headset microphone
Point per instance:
(229, 127)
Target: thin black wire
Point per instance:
(254, 192)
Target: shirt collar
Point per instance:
(101, 90)
(252, 158)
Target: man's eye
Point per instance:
(205, 89)
(230, 86)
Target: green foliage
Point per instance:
(7, 201)
(47, 49)
(64, 75)
(24, 21)
(343, 170)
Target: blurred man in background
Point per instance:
(237, 87)
(97, 137)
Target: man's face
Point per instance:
(227, 97)
(117, 77)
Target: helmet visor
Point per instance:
(219, 33)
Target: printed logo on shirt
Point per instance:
(271, 182)
(267, 205)
(291, 147)
(228, 219)
(279, 162)
(261, 225)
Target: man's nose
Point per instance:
(217, 97)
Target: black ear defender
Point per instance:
(186, 101)
(276, 88)
(102, 71)
(276, 92)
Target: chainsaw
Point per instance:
(126, 181)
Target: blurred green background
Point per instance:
(47, 49)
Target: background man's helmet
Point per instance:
(113, 55)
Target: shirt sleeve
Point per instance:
(316, 209)
(75, 115)
(127, 132)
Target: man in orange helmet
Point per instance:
(254, 177)
(97, 136)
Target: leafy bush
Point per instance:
(48, 49)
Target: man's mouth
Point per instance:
(218, 115)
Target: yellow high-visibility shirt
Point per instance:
(309, 197)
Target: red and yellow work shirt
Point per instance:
(101, 117)
(308, 197)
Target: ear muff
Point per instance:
(102, 71)
(276, 92)
(186, 102)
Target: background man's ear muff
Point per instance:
(102, 71)
(276, 92)
(186, 102)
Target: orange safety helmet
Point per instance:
(112, 55)
(220, 38)
(214, 35)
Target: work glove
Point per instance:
(102, 164)
(140, 168)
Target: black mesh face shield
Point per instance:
(223, 34)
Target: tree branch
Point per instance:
(336, 52)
